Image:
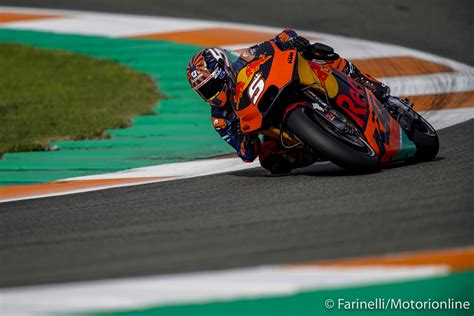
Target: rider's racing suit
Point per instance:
(271, 154)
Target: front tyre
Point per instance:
(425, 139)
(328, 145)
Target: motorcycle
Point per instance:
(305, 104)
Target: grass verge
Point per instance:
(48, 95)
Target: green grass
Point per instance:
(48, 95)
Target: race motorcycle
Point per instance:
(305, 104)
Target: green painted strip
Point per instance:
(458, 286)
(180, 130)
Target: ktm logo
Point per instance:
(291, 57)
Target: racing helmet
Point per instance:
(210, 74)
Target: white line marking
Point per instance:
(98, 24)
(175, 171)
(141, 292)
(431, 84)
(179, 170)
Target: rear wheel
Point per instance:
(346, 150)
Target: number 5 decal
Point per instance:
(256, 87)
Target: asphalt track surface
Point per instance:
(249, 217)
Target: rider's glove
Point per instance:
(298, 42)
(319, 51)
(249, 148)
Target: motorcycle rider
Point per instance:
(212, 74)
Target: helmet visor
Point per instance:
(212, 85)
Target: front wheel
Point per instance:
(425, 139)
(325, 141)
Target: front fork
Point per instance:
(401, 110)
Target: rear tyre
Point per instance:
(327, 145)
(425, 139)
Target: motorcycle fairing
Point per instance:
(271, 71)
(382, 131)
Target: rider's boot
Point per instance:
(279, 160)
